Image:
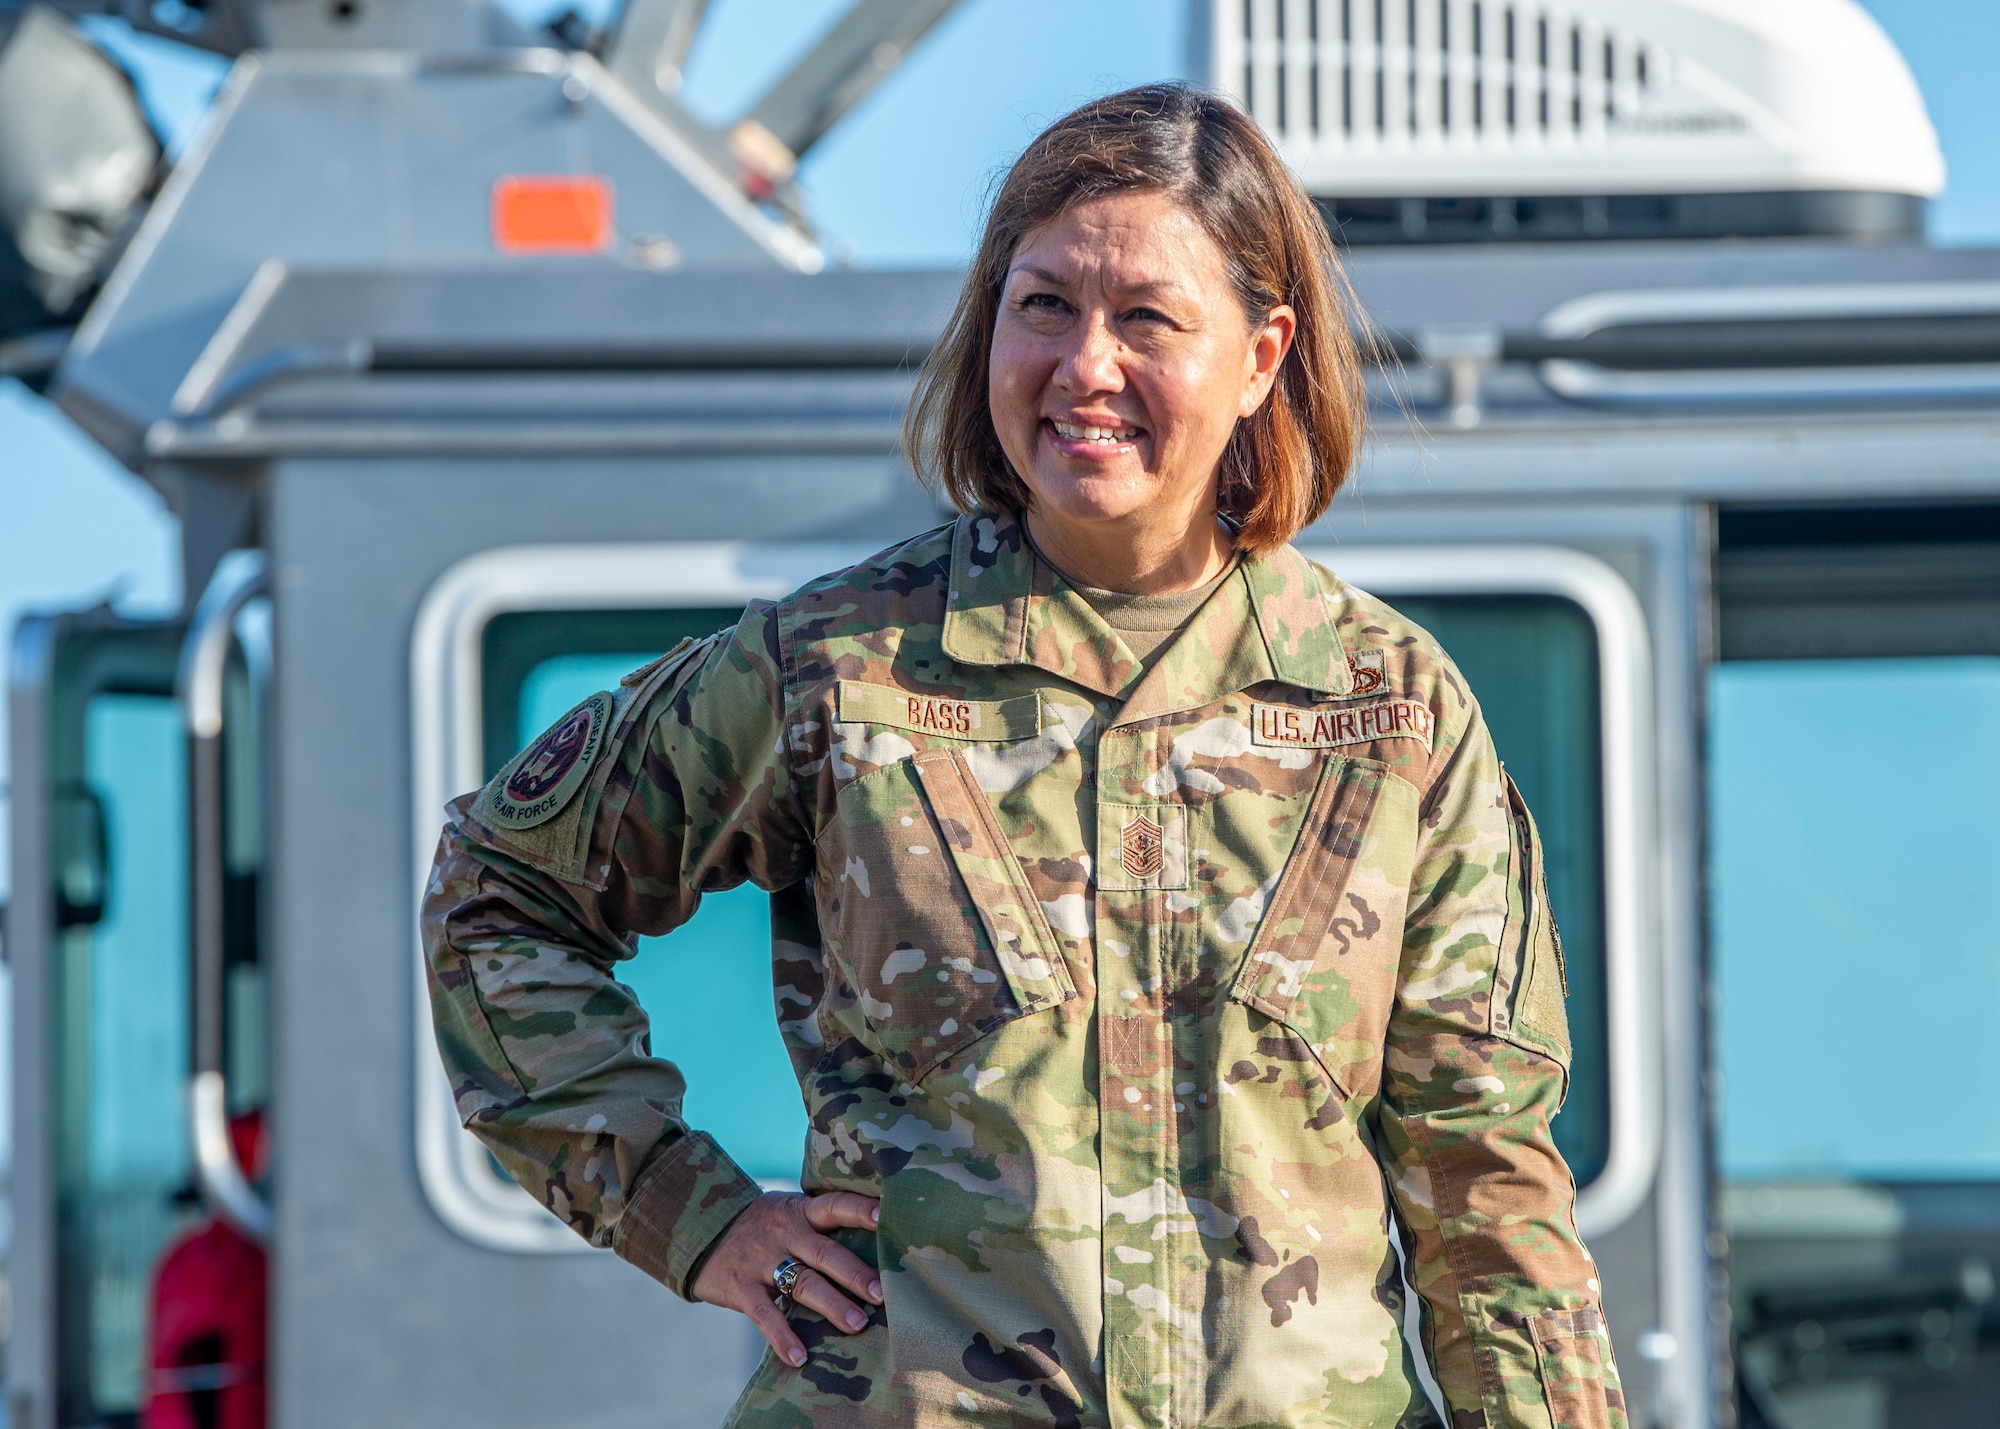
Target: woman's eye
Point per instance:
(1146, 315)
(1043, 303)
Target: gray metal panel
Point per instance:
(431, 25)
(1834, 602)
(559, 418)
(421, 143)
(381, 1314)
(652, 42)
(575, 319)
(566, 362)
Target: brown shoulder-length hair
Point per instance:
(1284, 464)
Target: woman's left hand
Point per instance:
(782, 1226)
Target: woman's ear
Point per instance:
(1268, 345)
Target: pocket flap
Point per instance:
(1029, 957)
(1293, 972)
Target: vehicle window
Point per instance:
(707, 987)
(1855, 966)
(1531, 661)
(124, 1184)
(1857, 963)
(516, 644)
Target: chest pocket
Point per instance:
(933, 916)
(1324, 959)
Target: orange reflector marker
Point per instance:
(552, 213)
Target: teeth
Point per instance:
(1106, 435)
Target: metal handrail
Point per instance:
(1807, 341)
(204, 662)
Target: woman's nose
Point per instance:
(1092, 363)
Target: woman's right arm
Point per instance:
(548, 1054)
(1477, 1059)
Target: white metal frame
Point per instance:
(446, 723)
(1625, 703)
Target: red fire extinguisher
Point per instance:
(207, 1331)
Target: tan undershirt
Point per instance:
(1146, 623)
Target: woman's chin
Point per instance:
(1095, 499)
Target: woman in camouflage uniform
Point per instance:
(1157, 938)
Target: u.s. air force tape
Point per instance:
(1332, 728)
(546, 775)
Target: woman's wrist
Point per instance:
(682, 1203)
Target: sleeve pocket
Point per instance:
(1531, 1008)
(1574, 1360)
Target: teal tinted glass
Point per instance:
(706, 988)
(1855, 913)
(124, 1172)
(516, 643)
(1532, 663)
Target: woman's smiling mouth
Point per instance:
(1094, 436)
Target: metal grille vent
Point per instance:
(1338, 78)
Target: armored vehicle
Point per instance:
(478, 371)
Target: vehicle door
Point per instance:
(1855, 960)
(107, 1178)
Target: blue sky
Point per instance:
(1950, 45)
(899, 182)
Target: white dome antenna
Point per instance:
(1415, 120)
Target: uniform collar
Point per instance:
(1008, 607)
(1295, 613)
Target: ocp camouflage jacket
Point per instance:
(1152, 1006)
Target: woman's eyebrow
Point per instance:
(1129, 292)
(1042, 273)
(1156, 288)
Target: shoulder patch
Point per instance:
(546, 775)
(544, 806)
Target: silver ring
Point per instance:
(786, 1276)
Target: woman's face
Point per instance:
(1121, 364)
